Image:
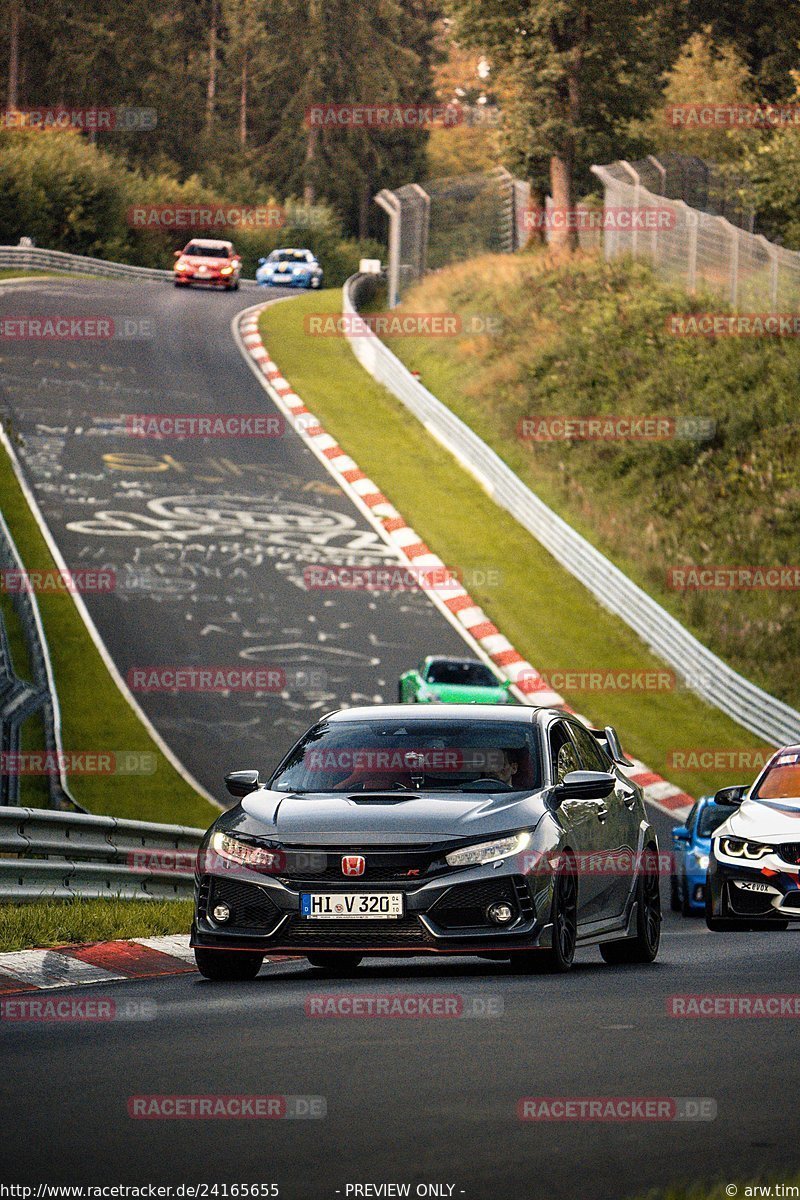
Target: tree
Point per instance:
(703, 74)
(574, 72)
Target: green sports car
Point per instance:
(440, 680)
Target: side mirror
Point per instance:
(681, 834)
(732, 795)
(241, 783)
(615, 747)
(177, 253)
(261, 262)
(584, 785)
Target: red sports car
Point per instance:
(206, 261)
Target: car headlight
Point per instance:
(181, 266)
(226, 270)
(736, 848)
(485, 852)
(701, 860)
(257, 857)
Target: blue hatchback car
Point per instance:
(289, 268)
(691, 846)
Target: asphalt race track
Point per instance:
(208, 538)
(428, 1100)
(419, 1100)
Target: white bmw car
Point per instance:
(754, 866)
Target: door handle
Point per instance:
(602, 813)
(629, 799)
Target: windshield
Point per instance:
(288, 256)
(782, 780)
(712, 816)
(468, 674)
(398, 755)
(206, 251)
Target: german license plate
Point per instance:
(365, 906)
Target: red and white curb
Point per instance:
(454, 601)
(99, 962)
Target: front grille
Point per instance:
(749, 904)
(790, 852)
(300, 931)
(251, 907)
(382, 866)
(464, 906)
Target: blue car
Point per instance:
(691, 846)
(289, 268)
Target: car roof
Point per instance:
(291, 250)
(453, 658)
(521, 713)
(211, 243)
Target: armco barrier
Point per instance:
(30, 258)
(19, 699)
(697, 666)
(45, 854)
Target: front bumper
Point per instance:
(445, 916)
(745, 893)
(209, 277)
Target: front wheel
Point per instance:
(228, 965)
(335, 963)
(643, 946)
(564, 921)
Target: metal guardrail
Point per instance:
(62, 856)
(31, 258)
(19, 699)
(697, 666)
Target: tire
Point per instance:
(686, 907)
(674, 894)
(228, 965)
(557, 959)
(720, 924)
(643, 947)
(335, 962)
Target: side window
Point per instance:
(692, 817)
(563, 757)
(591, 755)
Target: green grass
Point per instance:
(547, 615)
(55, 923)
(586, 337)
(94, 714)
(14, 273)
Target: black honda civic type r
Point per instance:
(506, 832)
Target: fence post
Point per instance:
(637, 186)
(693, 220)
(772, 254)
(391, 205)
(734, 264)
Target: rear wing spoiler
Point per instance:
(609, 740)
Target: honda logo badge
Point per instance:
(353, 864)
